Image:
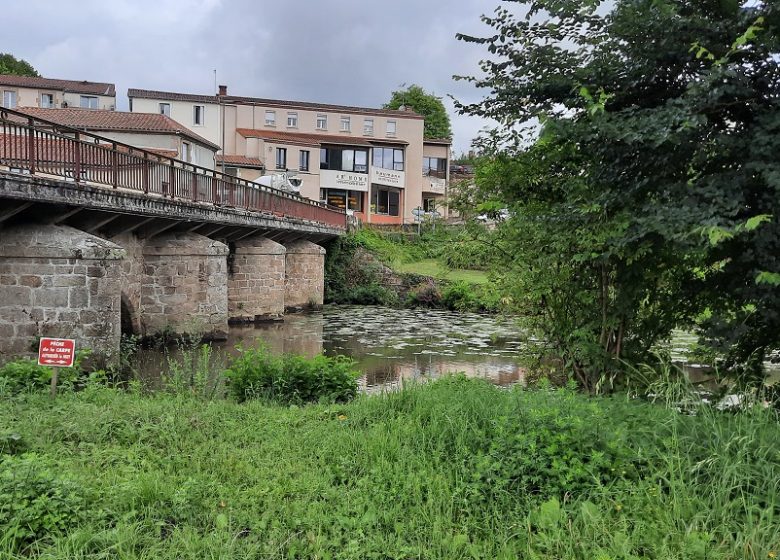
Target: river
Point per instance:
(390, 346)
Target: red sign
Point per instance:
(57, 352)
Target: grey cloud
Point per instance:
(336, 51)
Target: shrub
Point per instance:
(426, 294)
(24, 375)
(459, 296)
(292, 379)
(34, 502)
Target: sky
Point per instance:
(349, 52)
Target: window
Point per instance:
(46, 101)
(185, 151)
(345, 124)
(391, 128)
(429, 204)
(270, 118)
(389, 158)
(322, 122)
(165, 109)
(346, 200)
(344, 159)
(88, 102)
(292, 120)
(435, 167)
(9, 99)
(386, 202)
(368, 127)
(281, 158)
(197, 115)
(304, 161)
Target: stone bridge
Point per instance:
(98, 238)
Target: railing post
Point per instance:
(194, 186)
(172, 179)
(114, 166)
(31, 145)
(146, 173)
(77, 158)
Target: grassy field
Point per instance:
(435, 269)
(453, 469)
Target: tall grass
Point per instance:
(452, 469)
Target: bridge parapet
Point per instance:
(37, 147)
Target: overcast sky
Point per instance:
(351, 52)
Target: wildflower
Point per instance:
(222, 503)
(342, 416)
(618, 507)
(772, 554)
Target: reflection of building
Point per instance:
(156, 133)
(369, 161)
(47, 93)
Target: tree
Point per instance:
(652, 196)
(9, 64)
(437, 122)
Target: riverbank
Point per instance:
(452, 469)
(443, 269)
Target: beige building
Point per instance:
(156, 133)
(48, 93)
(369, 161)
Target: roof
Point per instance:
(240, 161)
(315, 140)
(239, 100)
(68, 86)
(101, 120)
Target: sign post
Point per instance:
(56, 353)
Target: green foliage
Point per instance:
(36, 505)
(352, 280)
(456, 468)
(9, 64)
(426, 294)
(24, 375)
(463, 296)
(437, 122)
(651, 192)
(257, 374)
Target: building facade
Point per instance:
(156, 133)
(48, 93)
(371, 162)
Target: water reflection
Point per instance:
(390, 346)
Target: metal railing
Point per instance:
(39, 147)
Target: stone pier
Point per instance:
(57, 281)
(305, 275)
(256, 280)
(184, 286)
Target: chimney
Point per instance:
(222, 91)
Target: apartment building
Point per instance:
(368, 161)
(156, 133)
(48, 93)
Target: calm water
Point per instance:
(389, 345)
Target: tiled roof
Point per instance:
(69, 86)
(99, 120)
(241, 161)
(311, 139)
(240, 100)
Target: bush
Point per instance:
(34, 502)
(24, 375)
(292, 379)
(426, 294)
